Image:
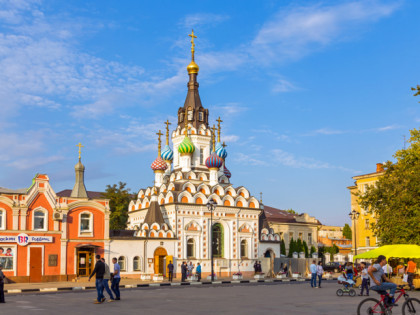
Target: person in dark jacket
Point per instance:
(183, 271)
(256, 267)
(170, 270)
(2, 276)
(99, 271)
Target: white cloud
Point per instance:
(294, 33)
(230, 109)
(387, 128)
(230, 138)
(282, 86)
(200, 19)
(328, 131)
(249, 159)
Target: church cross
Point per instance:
(219, 128)
(214, 138)
(159, 142)
(192, 43)
(167, 123)
(224, 144)
(80, 149)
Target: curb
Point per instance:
(162, 284)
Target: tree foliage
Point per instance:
(305, 249)
(313, 250)
(282, 247)
(291, 211)
(417, 89)
(292, 247)
(119, 197)
(347, 231)
(327, 249)
(395, 198)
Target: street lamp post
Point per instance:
(211, 205)
(354, 215)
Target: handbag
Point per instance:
(405, 278)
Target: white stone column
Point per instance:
(23, 213)
(63, 257)
(186, 162)
(213, 176)
(168, 170)
(15, 219)
(106, 227)
(159, 178)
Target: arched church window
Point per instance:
(217, 240)
(200, 116)
(181, 117)
(244, 249)
(201, 156)
(190, 114)
(190, 248)
(136, 263)
(121, 262)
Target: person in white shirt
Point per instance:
(319, 272)
(313, 274)
(365, 279)
(387, 270)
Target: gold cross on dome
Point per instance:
(192, 40)
(167, 123)
(80, 149)
(159, 142)
(224, 144)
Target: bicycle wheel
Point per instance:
(339, 292)
(411, 306)
(370, 306)
(352, 292)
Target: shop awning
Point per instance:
(392, 251)
(87, 246)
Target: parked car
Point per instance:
(333, 266)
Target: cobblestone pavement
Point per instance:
(275, 298)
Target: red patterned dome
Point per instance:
(159, 164)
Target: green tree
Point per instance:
(313, 250)
(119, 197)
(395, 197)
(299, 246)
(291, 211)
(417, 89)
(282, 247)
(347, 231)
(292, 247)
(305, 249)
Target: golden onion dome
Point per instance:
(192, 67)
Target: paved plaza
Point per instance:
(293, 298)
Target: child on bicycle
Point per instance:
(378, 280)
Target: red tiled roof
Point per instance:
(282, 216)
(91, 194)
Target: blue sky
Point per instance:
(311, 93)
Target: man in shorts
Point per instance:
(380, 282)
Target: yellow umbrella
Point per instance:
(392, 251)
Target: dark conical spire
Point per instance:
(197, 115)
(79, 189)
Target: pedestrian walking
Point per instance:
(170, 270)
(2, 277)
(259, 267)
(183, 271)
(255, 267)
(313, 274)
(319, 273)
(410, 271)
(198, 271)
(99, 272)
(115, 286)
(107, 277)
(365, 279)
(190, 269)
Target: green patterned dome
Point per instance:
(186, 146)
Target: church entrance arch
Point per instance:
(217, 240)
(159, 257)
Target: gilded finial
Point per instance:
(159, 142)
(214, 138)
(167, 123)
(261, 197)
(219, 128)
(192, 67)
(80, 149)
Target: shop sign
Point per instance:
(24, 239)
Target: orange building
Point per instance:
(48, 236)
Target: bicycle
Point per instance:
(373, 306)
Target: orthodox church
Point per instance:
(173, 217)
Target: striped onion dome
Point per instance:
(167, 153)
(186, 146)
(227, 172)
(214, 161)
(159, 164)
(221, 151)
